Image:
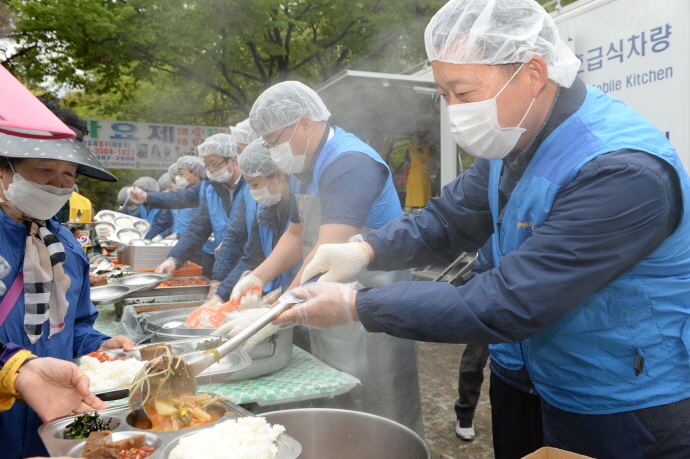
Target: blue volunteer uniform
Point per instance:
(591, 256)
(216, 204)
(160, 219)
(240, 224)
(19, 425)
(268, 225)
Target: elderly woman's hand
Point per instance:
(117, 342)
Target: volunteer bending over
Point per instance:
(339, 187)
(586, 205)
(270, 188)
(243, 135)
(47, 309)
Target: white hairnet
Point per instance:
(122, 195)
(243, 133)
(192, 164)
(499, 32)
(173, 170)
(284, 104)
(255, 160)
(147, 184)
(219, 144)
(164, 181)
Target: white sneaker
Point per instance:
(464, 431)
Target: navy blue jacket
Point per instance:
(200, 228)
(618, 210)
(275, 218)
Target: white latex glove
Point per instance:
(328, 305)
(103, 232)
(136, 194)
(245, 283)
(239, 320)
(215, 283)
(168, 266)
(157, 239)
(338, 261)
(217, 249)
(172, 236)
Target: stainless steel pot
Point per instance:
(341, 434)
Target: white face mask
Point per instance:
(284, 159)
(221, 175)
(476, 130)
(181, 182)
(40, 202)
(263, 196)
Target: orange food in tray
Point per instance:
(184, 282)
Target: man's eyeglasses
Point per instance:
(275, 141)
(214, 167)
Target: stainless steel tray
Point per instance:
(268, 356)
(164, 299)
(235, 361)
(164, 442)
(124, 228)
(142, 281)
(168, 291)
(108, 294)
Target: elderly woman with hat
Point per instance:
(47, 309)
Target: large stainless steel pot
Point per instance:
(340, 434)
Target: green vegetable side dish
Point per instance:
(212, 343)
(83, 425)
(121, 274)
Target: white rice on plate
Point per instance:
(244, 438)
(109, 375)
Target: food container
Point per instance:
(164, 442)
(142, 281)
(141, 255)
(162, 303)
(182, 290)
(109, 294)
(234, 361)
(268, 356)
(124, 228)
(341, 434)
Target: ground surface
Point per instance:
(438, 373)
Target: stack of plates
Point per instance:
(146, 256)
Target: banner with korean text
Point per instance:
(125, 145)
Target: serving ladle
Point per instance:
(187, 366)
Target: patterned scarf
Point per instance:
(45, 282)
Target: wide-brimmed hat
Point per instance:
(70, 150)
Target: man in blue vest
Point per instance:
(340, 187)
(583, 200)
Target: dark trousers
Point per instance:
(516, 420)
(470, 379)
(207, 261)
(650, 433)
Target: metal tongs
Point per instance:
(187, 366)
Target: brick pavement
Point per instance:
(438, 374)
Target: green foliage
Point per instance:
(103, 195)
(207, 60)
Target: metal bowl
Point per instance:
(142, 226)
(105, 216)
(123, 222)
(342, 434)
(109, 294)
(128, 234)
(143, 281)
